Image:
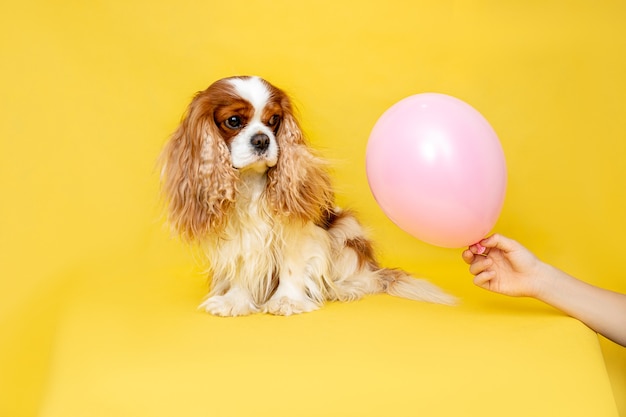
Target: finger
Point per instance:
(480, 264)
(483, 279)
(500, 242)
(468, 256)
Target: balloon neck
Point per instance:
(480, 249)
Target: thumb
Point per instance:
(498, 241)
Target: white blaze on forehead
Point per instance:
(252, 90)
(243, 154)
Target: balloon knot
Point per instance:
(480, 249)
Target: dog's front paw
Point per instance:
(285, 306)
(229, 305)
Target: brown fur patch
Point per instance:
(329, 219)
(364, 250)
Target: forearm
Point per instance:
(602, 310)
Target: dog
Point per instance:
(240, 180)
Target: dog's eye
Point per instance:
(233, 122)
(274, 120)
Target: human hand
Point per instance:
(504, 266)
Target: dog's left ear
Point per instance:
(299, 185)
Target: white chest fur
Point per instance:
(247, 254)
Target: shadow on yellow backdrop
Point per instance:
(90, 92)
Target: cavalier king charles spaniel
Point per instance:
(240, 180)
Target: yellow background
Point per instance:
(89, 93)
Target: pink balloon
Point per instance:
(436, 168)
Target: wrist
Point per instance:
(544, 282)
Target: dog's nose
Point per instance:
(260, 142)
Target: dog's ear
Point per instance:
(198, 180)
(299, 185)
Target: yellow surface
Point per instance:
(97, 304)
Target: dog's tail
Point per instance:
(357, 272)
(354, 283)
(400, 284)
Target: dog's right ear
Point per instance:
(197, 178)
